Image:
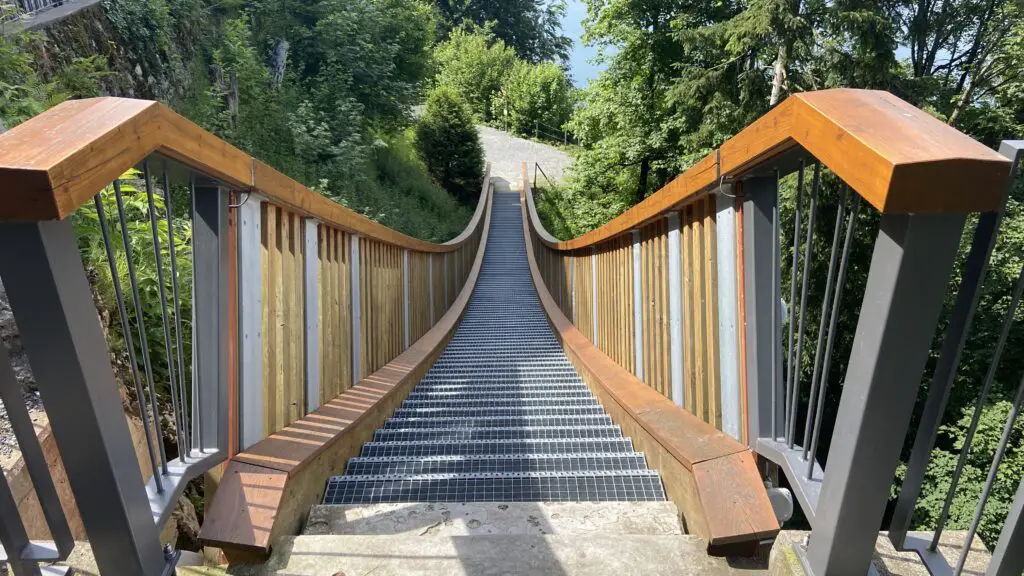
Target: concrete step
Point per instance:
(491, 518)
(570, 555)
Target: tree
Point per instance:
(473, 63)
(449, 145)
(533, 28)
(534, 95)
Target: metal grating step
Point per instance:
(501, 395)
(499, 402)
(493, 463)
(519, 411)
(517, 433)
(499, 421)
(502, 447)
(579, 487)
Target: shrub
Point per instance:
(474, 64)
(535, 98)
(449, 145)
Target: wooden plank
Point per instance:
(699, 320)
(685, 248)
(714, 391)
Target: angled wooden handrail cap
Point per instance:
(55, 162)
(898, 158)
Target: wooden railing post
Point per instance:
(405, 300)
(250, 313)
(593, 292)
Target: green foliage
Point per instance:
(90, 241)
(534, 95)
(983, 448)
(533, 28)
(450, 146)
(473, 64)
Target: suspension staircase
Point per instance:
(360, 401)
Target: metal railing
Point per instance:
(901, 297)
(137, 241)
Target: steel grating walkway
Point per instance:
(502, 415)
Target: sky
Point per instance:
(572, 25)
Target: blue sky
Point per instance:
(572, 25)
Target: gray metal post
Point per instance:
(675, 309)
(760, 197)
(728, 309)
(311, 285)
(250, 322)
(52, 304)
(907, 281)
(967, 297)
(357, 313)
(1008, 558)
(210, 310)
(638, 309)
(593, 290)
(405, 298)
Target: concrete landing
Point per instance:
(498, 555)
(513, 518)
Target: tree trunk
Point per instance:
(779, 81)
(278, 62)
(645, 174)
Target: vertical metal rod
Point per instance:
(979, 405)
(1008, 557)
(405, 297)
(776, 344)
(675, 308)
(728, 310)
(171, 383)
(798, 362)
(250, 319)
(836, 303)
(968, 295)
(12, 533)
(357, 312)
(311, 311)
(179, 346)
(986, 490)
(430, 285)
(197, 401)
(822, 327)
(791, 367)
(593, 290)
(638, 314)
(140, 324)
(129, 340)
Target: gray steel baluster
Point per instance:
(836, 302)
(171, 384)
(978, 407)
(129, 340)
(790, 351)
(776, 346)
(991, 478)
(795, 397)
(182, 389)
(197, 407)
(144, 342)
(822, 327)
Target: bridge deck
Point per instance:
(502, 415)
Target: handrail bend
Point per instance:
(897, 157)
(58, 160)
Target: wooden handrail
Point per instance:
(58, 160)
(897, 157)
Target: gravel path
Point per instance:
(506, 153)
